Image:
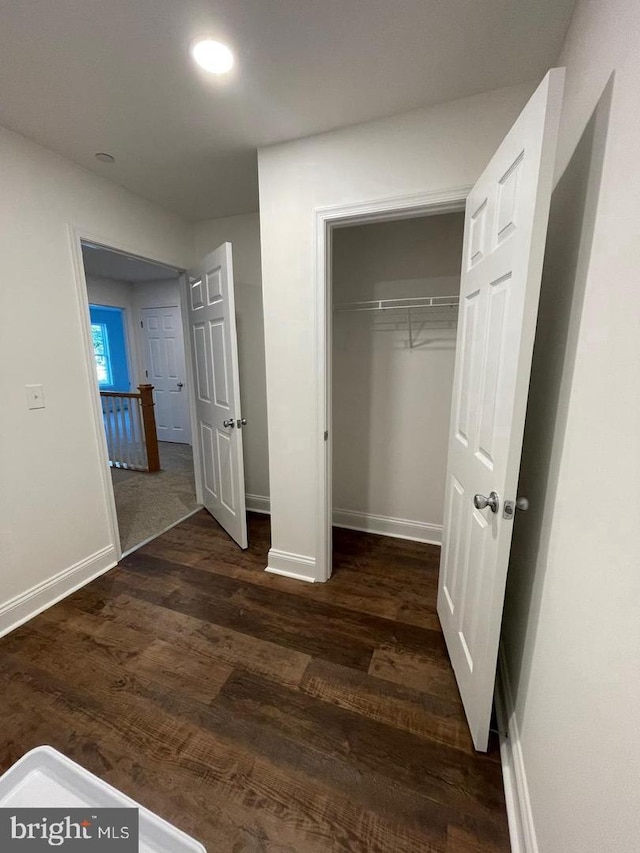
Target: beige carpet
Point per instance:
(148, 503)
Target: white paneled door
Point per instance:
(164, 358)
(504, 239)
(219, 419)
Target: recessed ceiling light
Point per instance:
(212, 56)
(105, 158)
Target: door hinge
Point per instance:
(326, 435)
(146, 373)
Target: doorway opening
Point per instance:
(395, 302)
(388, 280)
(141, 364)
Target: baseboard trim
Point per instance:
(289, 565)
(25, 606)
(258, 503)
(521, 826)
(399, 528)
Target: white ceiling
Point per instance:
(81, 76)
(105, 263)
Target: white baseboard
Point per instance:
(400, 528)
(521, 826)
(258, 503)
(291, 565)
(25, 606)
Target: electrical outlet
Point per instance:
(35, 397)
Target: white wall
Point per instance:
(391, 401)
(572, 617)
(426, 150)
(243, 232)
(53, 510)
(119, 294)
(156, 294)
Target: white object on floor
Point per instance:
(46, 778)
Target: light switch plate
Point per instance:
(35, 397)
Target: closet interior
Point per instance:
(395, 293)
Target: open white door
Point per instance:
(214, 348)
(504, 238)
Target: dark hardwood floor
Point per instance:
(259, 713)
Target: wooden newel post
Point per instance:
(149, 424)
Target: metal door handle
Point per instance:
(493, 502)
(229, 423)
(180, 385)
(241, 422)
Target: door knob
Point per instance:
(493, 502)
(180, 385)
(229, 423)
(241, 422)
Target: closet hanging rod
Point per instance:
(396, 304)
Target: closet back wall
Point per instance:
(391, 402)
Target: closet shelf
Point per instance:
(415, 314)
(420, 302)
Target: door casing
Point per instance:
(326, 219)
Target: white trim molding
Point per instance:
(522, 830)
(25, 606)
(399, 528)
(258, 503)
(76, 236)
(325, 219)
(294, 566)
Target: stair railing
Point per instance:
(130, 427)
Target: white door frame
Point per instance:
(78, 236)
(450, 200)
(191, 389)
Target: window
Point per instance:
(100, 338)
(110, 347)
